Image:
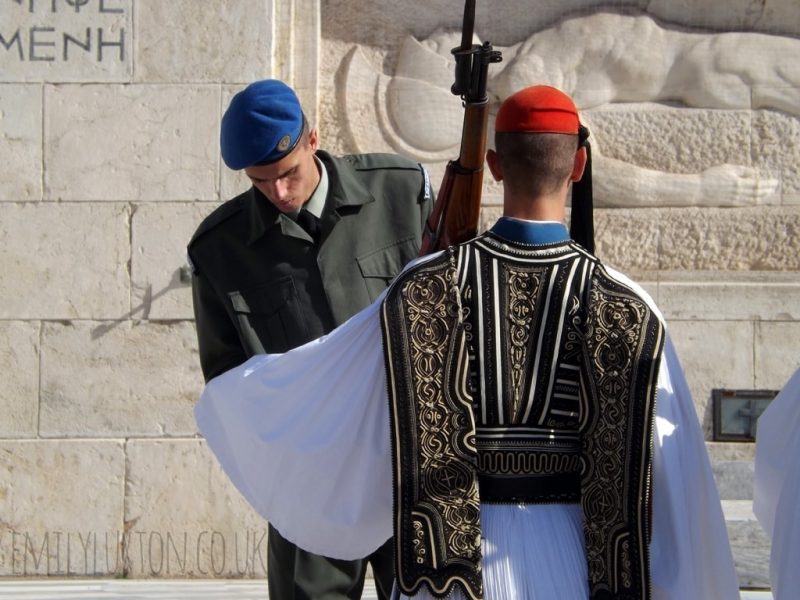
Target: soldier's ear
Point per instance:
(579, 164)
(494, 165)
(313, 140)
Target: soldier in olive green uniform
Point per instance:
(316, 239)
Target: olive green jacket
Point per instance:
(260, 284)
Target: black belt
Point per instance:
(562, 488)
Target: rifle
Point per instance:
(454, 217)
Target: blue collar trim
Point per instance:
(530, 232)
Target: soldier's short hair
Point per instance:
(535, 163)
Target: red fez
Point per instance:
(538, 109)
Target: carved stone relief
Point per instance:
(600, 59)
(296, 48)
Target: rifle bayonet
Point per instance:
(455, 214)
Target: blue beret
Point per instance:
(262, 124)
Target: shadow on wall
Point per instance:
(180, 278)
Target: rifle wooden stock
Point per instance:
(454, 218)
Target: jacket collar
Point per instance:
(530, 232)
(262, 215)
(345, 189)
(341, 176)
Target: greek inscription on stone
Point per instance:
(65, 40)
(53, 6)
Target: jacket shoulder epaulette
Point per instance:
(374, 161)
(221, 214)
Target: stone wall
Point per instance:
(109, 117)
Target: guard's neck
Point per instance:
(548, 207)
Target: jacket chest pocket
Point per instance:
(269, 316)
(380, 267)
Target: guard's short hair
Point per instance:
(535, 163)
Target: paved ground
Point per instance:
(121, 589)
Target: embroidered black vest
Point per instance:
(519, 373)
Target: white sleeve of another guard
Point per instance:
(776, 501)
(690, 554)
(304, 436)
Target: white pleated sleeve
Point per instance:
(690, 554)
(304, 436)
(776, 497)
